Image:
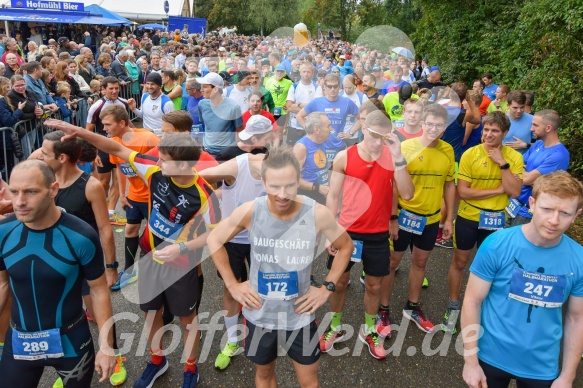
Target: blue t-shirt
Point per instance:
(220, 124)
(392, 86)
(197, 129)
(521, 338)
(336, 111)
(455, 131)
(316, 164)
(490, 91)
(545, 161)
(521, 129)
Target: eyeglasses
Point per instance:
(332, 86)
(376, 135)
(439, 127)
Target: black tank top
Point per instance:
(74, 201)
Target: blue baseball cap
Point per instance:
(279, 67)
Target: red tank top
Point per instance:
(367, 193)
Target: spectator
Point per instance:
(36, 86)
(82, 69)
(62, 101)
(12, 66)
(104, 65)
(133, 72)
(33, 52)
(48, 63)
(11, 47)
(119, 69)
(2, 69)
(74, 73)
(90, 66)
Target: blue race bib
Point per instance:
(127, 170)
(277, 285)
(398, 124)
(357, 251)
(197, 131)
(323, 177)
(277, 111)
(38, 345)
(411, 223)
(513, 208)
(331, 154)
(162, 227)
(538, 289)
(491, 220)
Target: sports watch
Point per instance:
(113, 265)
(330, 286)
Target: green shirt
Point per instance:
(393, 106)
(278, 90)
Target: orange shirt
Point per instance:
(141, 140)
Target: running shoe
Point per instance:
(450, 318)
(425, 283)
(329, 338)
(374, 346)
(418, 317)
(116, 219)
(362, 275)
(224, 358)
(151, 373)
(444, 243)
(119, 375)
(58, 383)
(383, 325)
(190, 379)
(124, 279)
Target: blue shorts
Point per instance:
(137, 213)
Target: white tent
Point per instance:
(143, 9)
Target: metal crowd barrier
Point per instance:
(31, 132)
(125, 92)
(8, 159)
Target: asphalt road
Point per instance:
(415, 359)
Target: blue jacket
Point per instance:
(7, 117)
(38, 88)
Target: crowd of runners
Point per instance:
(269, 154)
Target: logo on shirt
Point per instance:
(163, 188)
(485, 164)
(320, 159)
(183, 201)
(302, 222)
(155, 108)
(332, 110)
(421, 158)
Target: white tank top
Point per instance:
(244, 189)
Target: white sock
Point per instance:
(231, 325)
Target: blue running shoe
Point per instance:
(124, 279)
(151, 373)
(190, 379)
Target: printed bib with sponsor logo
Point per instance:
(127, 170)
(537, 288)
(278, 285)
(398, 124)
(37, 345)
(513, 208)
(350, 121)
(293, 121)
(277, 111)
(162, 227)
(412, 223)
(491, 220)
(357, 251)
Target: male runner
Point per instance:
(278, 301)
(363, 180)
(44, 255)
(489, 174)
(179, 202)
(430, 162)
(519, 281)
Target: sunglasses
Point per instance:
(332, 86)
(376, 135)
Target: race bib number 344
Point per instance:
(536, 288)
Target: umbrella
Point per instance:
(153, 26)
(404, 52)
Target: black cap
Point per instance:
(405, 93)
(226, 76)
(242, 74)
(62, 40)
(154, 78)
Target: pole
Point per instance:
(6, 27)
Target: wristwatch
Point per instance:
(505, 166)
(330, 286)
(394, 217)
(113, 265)
(183, 249)
(401, 163)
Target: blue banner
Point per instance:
(48, 5)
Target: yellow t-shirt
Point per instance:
(429, 168)
(481, 172)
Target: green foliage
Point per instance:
(533, 45)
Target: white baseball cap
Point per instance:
(211, 79)
(256, 125)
